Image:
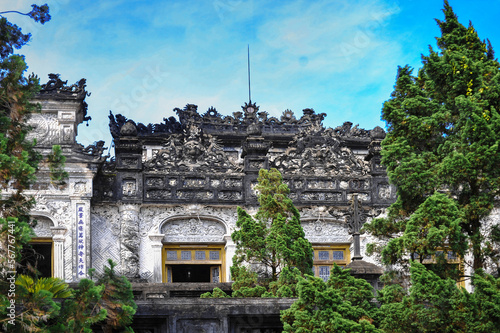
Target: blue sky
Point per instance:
(144, 58)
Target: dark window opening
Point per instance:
(191, 273)
(37, 258)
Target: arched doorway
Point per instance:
(193, 250)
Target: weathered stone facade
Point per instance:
(164, 206)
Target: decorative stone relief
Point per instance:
(230, 195)
(197, 195)
(59, 210)
(319, 151)
(232, 182)
(314, 212)
(43, 226)
(154, 182)
(105, 240)
(45, 128)
(152, 217)
(158, 194)
(129, 162)
(321, 231)
(193, 230)
(129, 250)
(192, 150)
(129, 187)
(385, 191)
(80, 187)
(68, 134)
(321, 184)
(361, 196)
(321, 196)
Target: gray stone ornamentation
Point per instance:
(105, 235)
(129, 242)
(58, 210)
(192, 150)
(323, 231)
(319, 151)
(193, 230)
(42, 228)
(45, 128)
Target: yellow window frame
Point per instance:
(192, 248)
(457, 260)
(330, 249)
(46, 240)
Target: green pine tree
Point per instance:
(117, 299)
(342, 304)
(110, 302)
(56, 166)
(271, 242)
(442, 148)
(18, 159)
(433, 304)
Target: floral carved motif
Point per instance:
(193, 230)
(319, 151)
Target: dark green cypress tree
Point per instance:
(444, 136)
(342, 304)
(273, 240)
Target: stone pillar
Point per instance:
(129, 240)
(58, 239)
(230, 251)
(158, 264)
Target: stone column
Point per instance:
(158, 265)
(129, 240)
(58, 239)
(230, 251)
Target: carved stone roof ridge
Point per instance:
(55, 88)
(215, 123)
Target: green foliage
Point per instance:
(443, 135)
(271, 241)
(342, 304)
(286, 286)
(57, 287)
(80, 312)
(434, 304)
(56, 166)
(117, 299)
(431, 304)
(108, 303)
(18, 164)
(434, 225)
(217, 293)
(37, 301)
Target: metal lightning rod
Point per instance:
(249, 93)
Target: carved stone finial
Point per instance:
(250, 109)
(377, 133)
(254, 129)
(129, 129)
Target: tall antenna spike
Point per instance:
(249, 93)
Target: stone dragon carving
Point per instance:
(57, 88)
(192, 150)
(320, 151)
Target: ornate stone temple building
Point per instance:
(164, 207)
